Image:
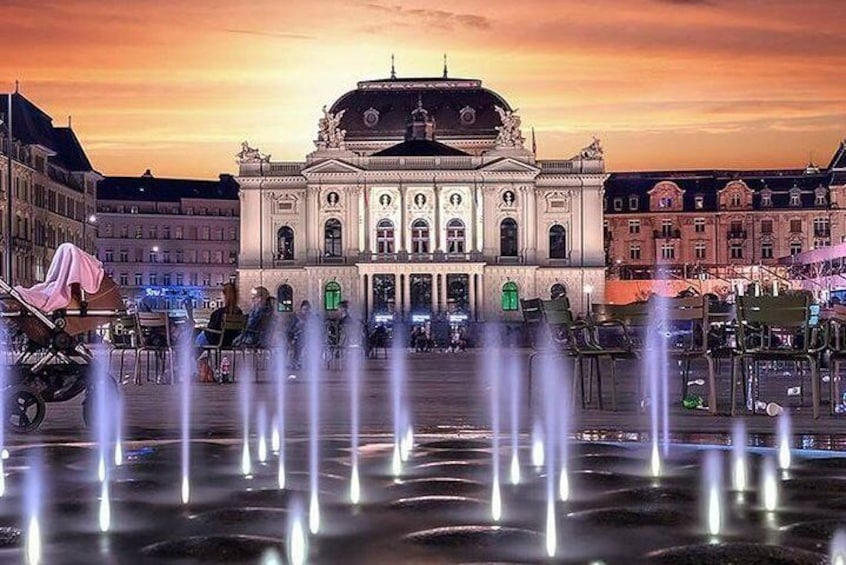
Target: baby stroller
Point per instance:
(51, 364)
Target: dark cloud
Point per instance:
(263, 33)
(437, 18)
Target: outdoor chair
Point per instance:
(552, 329)
(123, 335)
(836, 317)
(154, 337)
(778, 329)
(688, 333)
(615, 333)
(220, 340)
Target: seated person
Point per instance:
(296, 333)
(260, 321)
(211, 335)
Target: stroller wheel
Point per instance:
(25, 409)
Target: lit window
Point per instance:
(699, 225)
(510, 299)
(634, 226)
(331, 295)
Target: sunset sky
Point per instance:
(176, 85)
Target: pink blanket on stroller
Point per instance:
(70, 265)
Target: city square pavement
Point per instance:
(447, 395)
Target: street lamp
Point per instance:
(588, 291)
(92, 219)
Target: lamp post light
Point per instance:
(588, 291)
(92, 219)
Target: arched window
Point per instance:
(419, 237)
(331, 295)
(455, 236)
(510, 299)
(285, 243)
(557, 242)
(332, 238)
(557, 291)
(508, 238)
(385, 236)
(285, 298)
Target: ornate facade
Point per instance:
(421, 200)
(54, 189)
(728, 227)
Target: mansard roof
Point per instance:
(31, 126)
(707, 184)
(419, 148)
(148, 188)
(379, 109)
(838, 161)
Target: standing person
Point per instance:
(296, 333)
(260, 321)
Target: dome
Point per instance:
(379, 109)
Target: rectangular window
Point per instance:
(124, 279)
(700, 250)
(166, 279)
(206, 279)
(154, 257)
(668, 251)
(179, 279)
(166, 232)
(138, 281)
(124, 256)
(766, 226)
(735, 200)
(178, 231)
(634, 226)
(699, 225)
(795, 226)
(154, 279)
(795, 247)
(736, 251)
(193, 279)
(154, 232)
(124, 232)
(633, 202)
(618, 204)
(795, 198)
(178, 255)
(634, 252)
(766, 200)
(667, 228)
(166, 256)
(110, 256)
(766, 250)
(205, 232)
(821, 227)
(139, 232)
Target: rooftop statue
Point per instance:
(593, 151)
(509, 131)
(250, 154)
(330, 135)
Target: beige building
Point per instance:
(727, 227)
(169, 239)
(421, 200)
(54, 189)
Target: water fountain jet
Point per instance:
(769, 485)
(837, 548)
(185, 370)
(514, 381)
(355, 383)
(105, 514)
(784, 441)
(32, 509)
(713, 488)
(262, 442)
(738, 452)
(297, 543)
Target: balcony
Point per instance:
(332, 259)
(666, 234)
(736, 234)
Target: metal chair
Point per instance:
(220, 340)
(123, 335)
(778, 329)
(154, 337)
(551, 328)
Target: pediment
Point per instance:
(330, 166)
(508, 165)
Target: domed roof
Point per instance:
(380, 109)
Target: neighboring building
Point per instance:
(722, 226)
(54, 189)
(169, 238)
(422, 201)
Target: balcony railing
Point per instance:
(737, 234)
(666, 234)
(822, 232)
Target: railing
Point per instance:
(737, 234)
(666, 234)
(332, 259)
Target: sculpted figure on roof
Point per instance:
(250, 154)
(509, 131)
(330, 135)
(593, 151)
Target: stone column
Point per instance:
(480, 313)
(472, 296)
(434, 294)
(443, 293)
(406, 297)
(402, 226)
(438, 243)
(531, 225)
(471, 228)
(311, 228)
